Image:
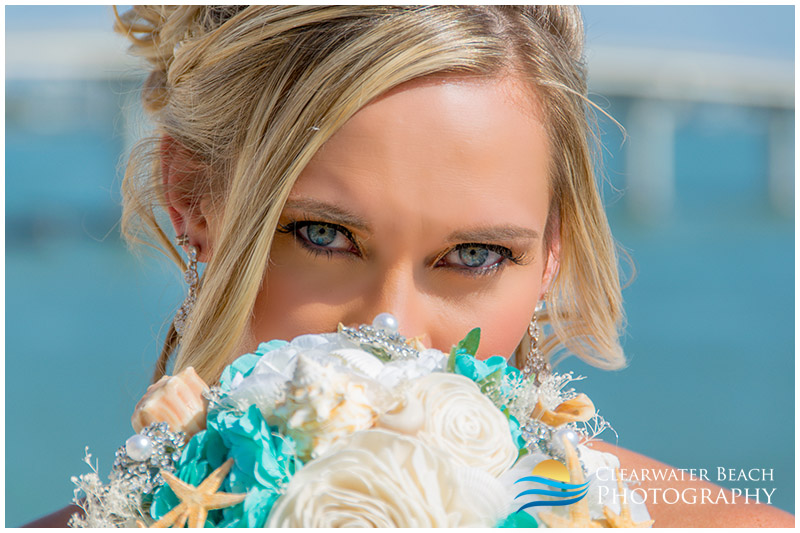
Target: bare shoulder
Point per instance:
(713, 506)
(58, 518)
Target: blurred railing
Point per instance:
(68, 55)
(659, 81)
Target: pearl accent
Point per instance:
(386, 322)
(139, 448)
(558, 439)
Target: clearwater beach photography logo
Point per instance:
(552, 474)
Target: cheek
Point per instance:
(505, 324)
(274, 315)
(295, 299)
(503, 314)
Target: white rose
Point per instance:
(464, 423)
(378, 478)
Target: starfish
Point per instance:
(197, 501)
(579, 511)
(623, 519)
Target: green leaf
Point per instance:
(470, 343)
(451, 361)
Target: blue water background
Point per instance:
(711, 310)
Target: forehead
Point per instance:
(445, 147)
(467, 113)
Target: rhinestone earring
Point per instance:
(192, 279)
(535, 363)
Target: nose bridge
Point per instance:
(396, 292)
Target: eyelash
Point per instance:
(293, 227)
(502, 251)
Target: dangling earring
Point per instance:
(535, 363)
(192, 279)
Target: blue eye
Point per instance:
(476, 258)
(473, 256)
(321, 237)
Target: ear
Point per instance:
(553, 252)
(550, 268)
(187, 209)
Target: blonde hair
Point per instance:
(252, 92)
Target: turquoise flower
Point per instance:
(516, 430)
(263, 462)
(480, 371)
(520, 519)
(493, 371)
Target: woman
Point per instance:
(332, 163)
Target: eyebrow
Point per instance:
(338, 215)
(505, 232)
(330, 212)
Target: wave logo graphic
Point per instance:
(553, 474)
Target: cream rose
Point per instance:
(464, 423)
(378, 478)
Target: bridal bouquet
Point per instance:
(355, 428)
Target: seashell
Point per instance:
(407, 417)
(578, 409)
(307, 372)
(323, 405)
(177, 400)
(359, 360)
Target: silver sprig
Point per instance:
(167, 446)
(385, 345)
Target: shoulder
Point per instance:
(703, 504)
(58, 518)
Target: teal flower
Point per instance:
(263, 462)
(516, 430)
(520, 519)
(493, 371)
(479, 371)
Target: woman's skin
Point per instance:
(439, 195)
(431, 204)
